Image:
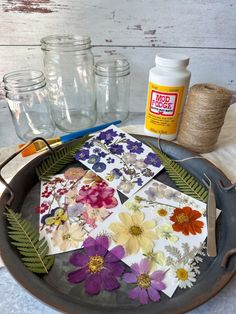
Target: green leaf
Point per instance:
(181, 177)
(59, 159)
(26, 239)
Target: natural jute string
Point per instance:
(203, 117)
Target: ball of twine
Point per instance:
(203, 117)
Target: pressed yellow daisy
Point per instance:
(133, 232)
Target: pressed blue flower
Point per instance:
(93, 159)
(116, 149)
(82, 154)
(122, 135)
(96, 150)
(117, 173)
(99, 167)
(139, 182)
(135, 147)
(153, 160)
(102, 154)
(88, 144)
(110, 160)
(107, 136)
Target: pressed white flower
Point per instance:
(185, 275)
(165, 231)
(130, 158)
(125, 186)
(140, 164)
(68, 236)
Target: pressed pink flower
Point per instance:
(97, 196)
(93, 215)
(146, 285)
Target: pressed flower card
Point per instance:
(166, 227)
(72, 204)
(126, 163)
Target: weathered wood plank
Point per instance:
(182, 23)
(215, 66)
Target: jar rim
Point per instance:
(112, 66)
(23, 80)
(65, 42)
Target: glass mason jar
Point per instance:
(69, 71)
(28, 101)
(112, 76)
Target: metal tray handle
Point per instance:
(4, 163)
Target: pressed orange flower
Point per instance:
(185, 221)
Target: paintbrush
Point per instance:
(40, 146)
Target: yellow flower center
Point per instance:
(95, 263)
(66, 236)
(135, 230)
(182, 218)
(162, 212)
(144, 281)
(182, 274)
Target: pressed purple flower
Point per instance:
(93, 159)
(99, 167)
(135, 147)
(82, 154)
(117, 173)
(110, 160)
(107, 136)
(139, 182)
(102, 154)
(116, 149)
(89, 144)
(122, 135)
(153, 160)
(96, 150)
(147, 286)
(97, 267)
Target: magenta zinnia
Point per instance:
(146, 285)
(97, 267)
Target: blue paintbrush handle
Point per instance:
(72, 136)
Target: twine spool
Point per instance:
(203, 117)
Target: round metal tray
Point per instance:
(54, 289)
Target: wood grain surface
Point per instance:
(203, 29)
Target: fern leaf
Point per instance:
(56, 161)
(181, 177)
(26, 239)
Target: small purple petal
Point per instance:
(153, 294)
(134, 293)
(90, 246)
(143, 296)
(78, 259)
(157, 275)
(102, 245)
(130, 278)
(158, 285)
(135, 268)
(115, 254)
(93, 284)
(116, 269)
(109, 282)
(144, 266)
(77, 276)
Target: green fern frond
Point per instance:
(56, 161)
(26, 239)
(181, 177)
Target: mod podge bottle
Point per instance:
(167, 91)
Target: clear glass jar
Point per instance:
(112, 76)
(28, 101)
(69, 71)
